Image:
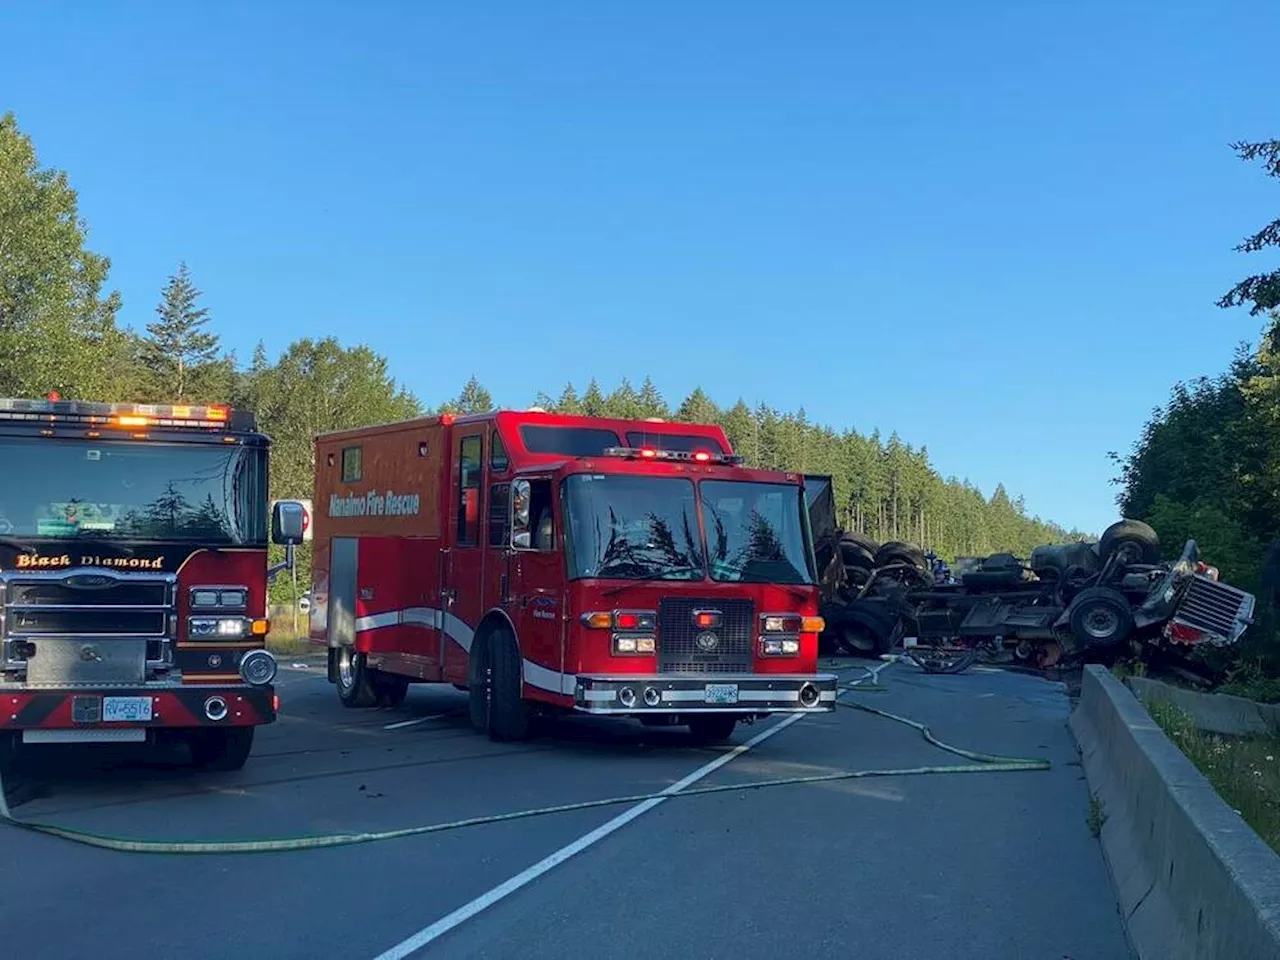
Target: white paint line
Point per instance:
(414, 722)
(525, 877)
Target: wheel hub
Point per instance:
(1101, 623)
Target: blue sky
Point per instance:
(995, 227)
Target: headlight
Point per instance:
(220, 628)
(633, 646)
(215, 598)
(779, 647)
(258, 667)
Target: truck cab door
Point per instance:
(462, 599)
(820, 501)
(537, 582)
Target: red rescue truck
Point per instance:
(554, 563)
(133, 576)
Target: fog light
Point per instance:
(779, 646)
(630, 646)
(627, 696)
(652, 697)
(258, 667)
(215, 708)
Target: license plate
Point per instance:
(126, 709)
(721, 693)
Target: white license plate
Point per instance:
(126, 709)
(721, 693)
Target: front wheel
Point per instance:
(355, 681)
(510, 717)
(223, 749)
(712, 728)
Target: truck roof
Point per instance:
(126, 416)
(510, 421)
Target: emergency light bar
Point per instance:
(117, 414)
(650, 453)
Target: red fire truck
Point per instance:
(554, 563)
(133, 576)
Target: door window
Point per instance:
(470, 464)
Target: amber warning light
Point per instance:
(56, 410)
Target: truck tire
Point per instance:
(1130, 531)
(863, 640)
(355, 681)
(712, 727)
(860, 540)
(856, 555)
(223, 749)
(897, 551)
(1100, 617)
(509, 713)
(478, 684)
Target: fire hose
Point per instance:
(982, 763)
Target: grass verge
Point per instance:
(1244, 770)
(286, 645)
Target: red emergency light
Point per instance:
(649, 453)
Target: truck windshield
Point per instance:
(66, 489)
(632, 528)
(646, 528)
(756, 532)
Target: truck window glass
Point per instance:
(498, 460)
(632, 528)
(499, 514)
(542, 533)
(756, 532)
(470, 464)
(103, 490)
(681, 442)
(568, 441)
(351, 465)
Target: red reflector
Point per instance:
(275, 704)
(1182, 633)
(628, 621)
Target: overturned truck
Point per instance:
(1065, 604)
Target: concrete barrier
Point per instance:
(1193, 880)
(1214, 712)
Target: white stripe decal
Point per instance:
(539, 676)
(457, 630)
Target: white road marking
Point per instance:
(525, 877)
(414, 722)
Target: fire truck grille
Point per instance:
(1216, 608)
(679, 646)
(86, 626)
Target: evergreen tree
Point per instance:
(569, 402)
(178, 343)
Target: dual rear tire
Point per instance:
(359, 685)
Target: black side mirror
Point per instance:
(288, 522)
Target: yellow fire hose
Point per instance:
(983, 763)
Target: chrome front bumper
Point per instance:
(750, 693)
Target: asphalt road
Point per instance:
(994, 865)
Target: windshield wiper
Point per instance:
(18, 545)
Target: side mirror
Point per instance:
(288, 523)
(520, 515)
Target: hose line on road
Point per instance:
(984, 763)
